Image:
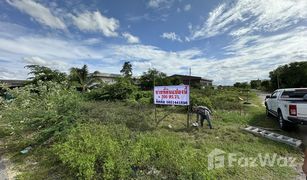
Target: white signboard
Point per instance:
(172, 95)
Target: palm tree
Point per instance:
(82, 78)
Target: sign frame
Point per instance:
(175, 95)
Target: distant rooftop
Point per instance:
(14, 83)
(108, 75)
(191, 77)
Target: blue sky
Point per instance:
(227, 41)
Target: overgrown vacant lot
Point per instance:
(74, 137)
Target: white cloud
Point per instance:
(171, 36)
(148, 17)
(130, 38)
(91, 41)
(12, 73)
(95, 21)
(253, 56)
(187, 7)
(244, 63)
(144, 57)
(255, 16)
(240, 32)
(39, 12)
(36, 60)
(160, 4)
(248, 56)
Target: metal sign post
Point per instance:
(154, 84)
(188, 110)
(171, 95)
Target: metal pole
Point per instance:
(188, 113)
(154, 83)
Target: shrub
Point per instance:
(200, 101)
(134, 116)
(145, 101)
(227, 100)
(163, 155)
(121, 90)
(92, 151)
(143, 94)
(45, 109)
(114, 152)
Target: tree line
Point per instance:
(292, 75)
(83, 80)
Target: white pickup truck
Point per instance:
(288, 105)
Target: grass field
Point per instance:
(116, 140)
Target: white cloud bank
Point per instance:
(255, 16)
(95, 21)
(35, 60)
(249, 56)
(39, 12)
(245, 62)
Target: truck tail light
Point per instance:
(292, 110)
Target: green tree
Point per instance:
(81, 78)
(42, 73)
(147, 79)
(293, 75)
(266, 85)
(255, 84)
(127, 69)
(121, 90)
(174, 80)
(243, 85)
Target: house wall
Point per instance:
(206, 83)
(108, 80)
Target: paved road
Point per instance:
(299, 133)
(262, 96)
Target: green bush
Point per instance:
(45, 109)
(145, 101)
(163, 155)
(121, 90)
(224, 99)
(134, 116)
(227, 100)
(200, 101)
(143, 94)
(114, 152)
(99, 152)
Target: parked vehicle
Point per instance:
(288, 105)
